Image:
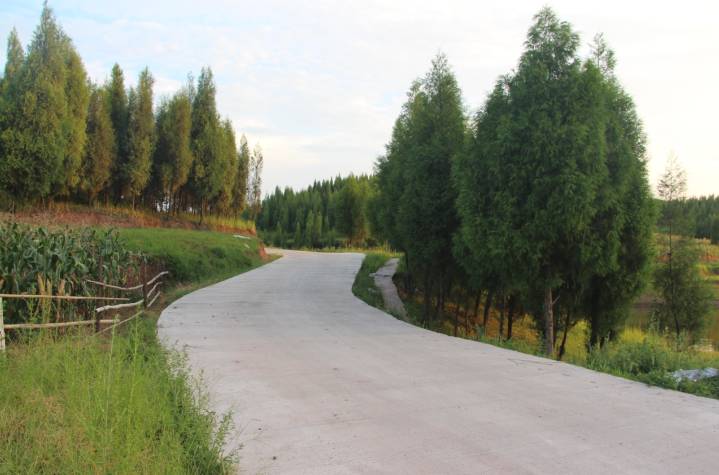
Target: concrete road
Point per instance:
(322, 383)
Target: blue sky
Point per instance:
(319, 83)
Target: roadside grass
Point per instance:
(194, 255)
(637, 354)
(121, 403)
(363, 286)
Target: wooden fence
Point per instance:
(149, 297)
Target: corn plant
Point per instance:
(35, 260)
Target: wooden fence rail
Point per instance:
(148, 299)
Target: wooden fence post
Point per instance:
(2, 328)
(97, 321)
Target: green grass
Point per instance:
(194, 255)
(117, 405)
(363, 286)
(650, 358)
(120, 404)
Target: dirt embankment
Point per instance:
(73, 215)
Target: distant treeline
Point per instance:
(698, 217)
(63, 137)
(330, 213)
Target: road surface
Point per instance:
(320, 382)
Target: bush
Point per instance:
(652, 360)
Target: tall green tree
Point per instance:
(228, 168)
(351, 210)
(206, 179)
(243, 172)
(257, 162)
(10, 137)
(426, 139)
(140, 138)
(101, 147)
(685, 297)
(15, 59)
(119, 114)
(173, 153)
(625, 216)
(77, 92)
(44, 114)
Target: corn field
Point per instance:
(57, 262)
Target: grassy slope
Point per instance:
(120, 404)
(637, 354)
(192, 256)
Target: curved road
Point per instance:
(320, 382)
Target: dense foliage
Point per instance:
(700, 216)
(545, 206)
(62, 137)
(329, 213)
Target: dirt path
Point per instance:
(320, 382)
(383, 281)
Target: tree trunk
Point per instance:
(510, 316)
(548, 323)
(502, 307)
(564, 337)
(487, 306)
(456, 316)
(476, 304)
(427, 297)
(440, 294)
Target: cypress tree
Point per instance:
(78, 95)
(173, 154)
(101, 147)
(45, 113)
(426, 214)
(140, 138)
(206, 146)
(255, 187)
(118, 107)
(10, 137)
(226, 168)
(241, 182)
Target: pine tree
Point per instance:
(140, 138)
(101, 147)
